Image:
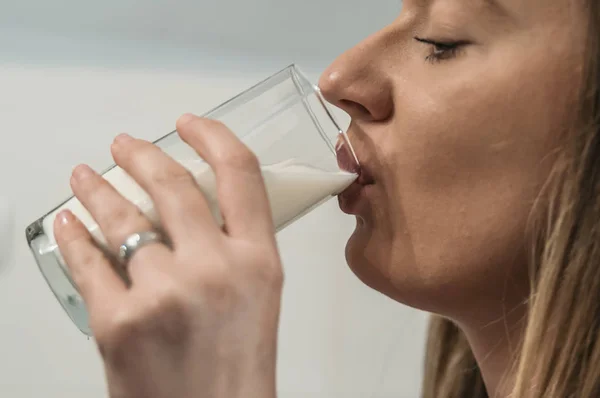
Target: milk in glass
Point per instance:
(292, 188)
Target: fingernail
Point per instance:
(123, 138)
(186, 118)
(82, 172)
(65, 217)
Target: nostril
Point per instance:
(352, 106)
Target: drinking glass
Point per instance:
(304, 155)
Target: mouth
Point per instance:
(352, 198)
(348, 161)
(365, 177)
(346, 158)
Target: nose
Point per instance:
(357, 82)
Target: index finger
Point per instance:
(240, 186)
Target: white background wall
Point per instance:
(74, 74)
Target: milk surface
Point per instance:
(292, 189)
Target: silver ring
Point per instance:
(136, 241)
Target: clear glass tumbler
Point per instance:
(305, 159)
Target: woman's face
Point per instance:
(455, 140)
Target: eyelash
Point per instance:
(441, 51)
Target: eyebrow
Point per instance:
(490, 6)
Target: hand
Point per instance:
(200, 317)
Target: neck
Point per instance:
(496, 345)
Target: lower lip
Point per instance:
(353, 198)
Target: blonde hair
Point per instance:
(560, 353)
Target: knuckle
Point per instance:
(168, 299)
(120, 330)
(239, 157)
(236, 155)
(89, 257)
(120, 220)
(269, 273)
(170, 313)
(224, 286)
(171, 176)
(276, 276)
(86, 259)
(264, 265)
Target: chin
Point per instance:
(387, 266)
(365, 255)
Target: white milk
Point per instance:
(292, 188)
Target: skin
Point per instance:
(455, 146)
(176, 332)
(458, 149)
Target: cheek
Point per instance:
(464, 162)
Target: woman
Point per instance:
(476, 123)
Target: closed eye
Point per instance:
(441, 51)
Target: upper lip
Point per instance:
(346, 159)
